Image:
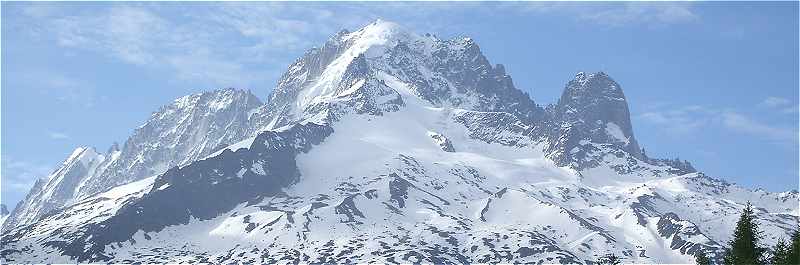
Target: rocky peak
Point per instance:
(61, 186)
(188, 129)
(593, 92)
(181, 132)
(352, 67)
(113, 148)
(592, 109)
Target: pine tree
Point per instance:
(744, 249)
(701, 259)
(780, 253)
(793, 255)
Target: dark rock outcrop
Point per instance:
(205, 189)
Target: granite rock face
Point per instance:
(592, 109)
(184, 131)
(351, 68)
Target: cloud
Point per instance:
(775, 102)
(127, 33)
(689, 120)
(644, 12)
(221, 45)
(681, 121)
(62, 87)
(620, 14)
(747, 125)
(780, 104)
(19, 176)
(58, 136)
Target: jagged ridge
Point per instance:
(188, 129)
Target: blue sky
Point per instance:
(713, 83)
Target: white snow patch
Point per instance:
(613, 130)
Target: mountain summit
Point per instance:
(184, 131)
(592, 109)
(386, 146)
(352, 69)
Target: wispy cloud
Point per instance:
(19, 176)
(62, 87)
(681, 120)
(645, 12)
(780, 104)
(621, 14)
(57, 135)
(226, 44)
(691, 119)
(775, 102)
(125, 32)
(750, 126)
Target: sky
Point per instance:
(714, 83)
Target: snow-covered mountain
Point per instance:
(386, 146)
(189, 128)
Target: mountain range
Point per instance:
(383, 145)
